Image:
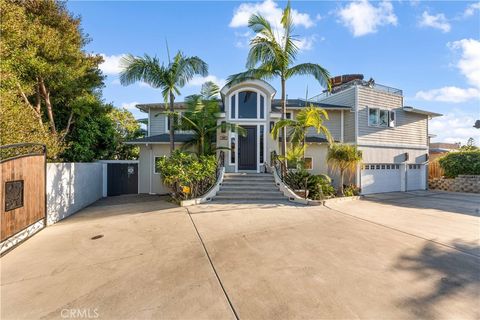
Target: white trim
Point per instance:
(149, 129)
(311, 157)
(378, 111)
(155, 164)
(150, 171)
(230, 136)
(392, 145)
(237, 146)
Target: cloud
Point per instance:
(437, 21)
(469, 67)
(130, 106)
(448, 94)
(111, 64)
(455, 126)
(470, 11)
(362, 18)
(469, 63)
(199, 80)
(270, 10)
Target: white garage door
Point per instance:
(415, 177)
(377, 178)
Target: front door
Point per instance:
(247, 149)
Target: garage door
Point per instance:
(415, 177)
(377, 178)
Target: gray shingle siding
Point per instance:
(157, 122)
(333, 125)
(409, 128)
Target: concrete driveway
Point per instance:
(391, 256)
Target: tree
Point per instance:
(470, 146)
(201, 118)
(170, 79)
(308, 117)
(126, 128)
(272, 54)
(343, 158)
(43, 64)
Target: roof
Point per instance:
(301, 103)
(420, 111)
(161, 138)
(312, 139)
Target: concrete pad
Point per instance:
(448, 218)
(148, 264)
(314, 263)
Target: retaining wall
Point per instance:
(462, 183)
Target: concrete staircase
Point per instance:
(249, 187)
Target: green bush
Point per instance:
(295, 179)
(320, 187)
(187, 175)
(465, 162)
(351, 190)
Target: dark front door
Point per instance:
(247, 149)
(122, 178)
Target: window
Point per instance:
(262, 107)
(232, 150)
(232, 107)
(288, 115)
(156, 168)
(261, 143)
(247, 105)
(308, 163)
(381, 118)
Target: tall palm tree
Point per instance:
(273, 56)
(170, 78)
(201, 118)
(308, 117)
(343, 157)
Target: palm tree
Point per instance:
(343, 157)
(308, 117)
(201, 118)
(170, 78)
(273, 56)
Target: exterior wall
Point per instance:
(149, 181)
(333, 124)
(462, 183)
(157, 122)
(410, 128)
(349, 126)
(71, 187)
(392, 155)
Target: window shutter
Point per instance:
(391, 119)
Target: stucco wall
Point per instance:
(71, 187)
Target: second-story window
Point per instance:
(381, 117)
(247, 105)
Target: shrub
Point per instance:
(187, 175)
(295, 179)
(320, 187)
(465, 162)
(351, 190)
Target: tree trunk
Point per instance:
(171, 128)
(202, 145)
(46, 96)
(36, 109)
(284, 116)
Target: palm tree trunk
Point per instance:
(172, 131)
(202, 145)
(284, 116)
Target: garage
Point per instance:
(415, 177)
(378, 177)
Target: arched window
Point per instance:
(247, 104)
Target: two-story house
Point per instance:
(392, 137)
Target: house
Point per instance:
(439, 149)
(392, 136)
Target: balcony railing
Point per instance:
(369, 84)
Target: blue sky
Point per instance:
(430, 50)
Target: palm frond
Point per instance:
(318, 72)
(147, 69)
(259, 73)
(279, 125)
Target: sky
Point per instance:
(429, 49)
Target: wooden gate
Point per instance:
(22, 187)
(122, 178)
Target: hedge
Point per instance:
(464, 162)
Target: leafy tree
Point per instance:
(308, 117)
(464, 162)
(272, 54)
(170, 78)
(470, 146)
(343, 157)
(201, 118)
(126, 128)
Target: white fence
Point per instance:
(71, 187)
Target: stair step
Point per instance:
(249, 193)
(242, 197)
(239, 188)
(251, 180)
